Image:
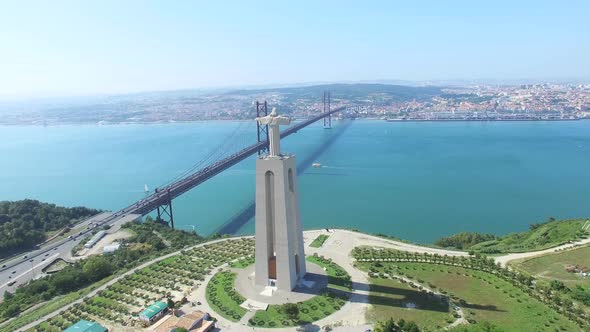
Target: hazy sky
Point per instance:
(76, 47)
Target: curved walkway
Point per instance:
(337, 247)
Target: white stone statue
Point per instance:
(273, 120)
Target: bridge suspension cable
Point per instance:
(223, 149)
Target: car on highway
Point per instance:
(3, 265)
(13, 272)
(25, 257)
(47, 254)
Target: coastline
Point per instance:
(171, 122)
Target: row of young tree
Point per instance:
(85, 272)
(24, 224)
(556, 296)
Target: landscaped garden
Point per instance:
(480, 288)
(319, 241)
(330, 300)
(223, 298)
(337, 277)
(299, 313)
(171, 278)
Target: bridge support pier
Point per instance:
(327, 119)
(166, 210)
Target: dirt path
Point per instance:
(503, 260)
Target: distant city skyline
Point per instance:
(109, 47)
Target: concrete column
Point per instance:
(278, 226)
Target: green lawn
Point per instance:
(483, 297)
(552, 266)
(316, 308)
(337, 276)
(242, 263)
(389, 299)
(223, 298)
(547, 235)
(319, 241)
(311, 310)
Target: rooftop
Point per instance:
(154, 309)
(85, 326)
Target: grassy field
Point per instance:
(483, 297)
(547, 235)
(337, 277)
(223, 298)
(319, 241)
(390, 297)
(552, 266)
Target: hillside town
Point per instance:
(381, 101)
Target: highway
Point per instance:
(20, 270)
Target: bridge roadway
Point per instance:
(20, 270)
(165, 194)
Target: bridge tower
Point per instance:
(262, 130)
(166, 210)
(327, 119)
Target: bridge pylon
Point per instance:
(262, 130)
(166, 210)
(327, 119)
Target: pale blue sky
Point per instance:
(79, 47)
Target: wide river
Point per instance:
(413, 180)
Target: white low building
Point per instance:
(111, 248)
(95, 239)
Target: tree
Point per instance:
(97, 267)
(8, 295)
(558, 285)
(170, 303)
(292, 310)
(12, 310)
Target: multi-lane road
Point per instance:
(30, 265)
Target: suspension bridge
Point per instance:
(160, 200)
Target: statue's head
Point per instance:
(274, 112)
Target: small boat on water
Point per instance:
(316, 165)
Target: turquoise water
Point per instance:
(416, 181)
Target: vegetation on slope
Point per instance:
(540, 236)
(143, 246)
(464, 240)
(25, 224)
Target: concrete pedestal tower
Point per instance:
(280, 260)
